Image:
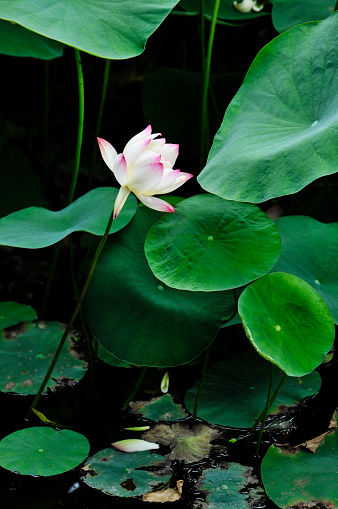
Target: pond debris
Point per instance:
(167, 495)
(187, 443)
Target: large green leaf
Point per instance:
(107, 28)
(17, 41)
(35, 227)
(288, 13)
(26, 354)
(287, 322)
(124, 475)
(43, 451)
(301, 478)
(212, 244)
(309, 251)
(234, 392)
(12, 313)
(279, 132)
(138, 318)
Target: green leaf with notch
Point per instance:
(211, 244)
(279, 132)
(287, 322)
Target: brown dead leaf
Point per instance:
(314, 443)
(187, 444)
(167, 495)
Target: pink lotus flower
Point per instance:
(144, 168)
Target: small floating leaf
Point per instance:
(119, 474)
(25, 356)
(43, 451)
(12, 313)
(306, 478)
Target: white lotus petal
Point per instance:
(134, 445)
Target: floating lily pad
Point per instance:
(301, 477)
(123, 474)
(287, 322)
(212, 244)
(234, 392)
(279, 131)
(227, 487)
(17, 41)
(36, 227)
(309, 251)
(159, 409)
(138, 318)
(43, 451)
(106, 28)
(288, 13)
(12, 313)
(26, 354)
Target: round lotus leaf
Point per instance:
(17, 41)
(279, 131)
(26, 354)
(138, 318)
(309, 251)
(43, 451)
(287, 322)
(228, 487)
(12, 313)
(36, 227)
(301, 478)
(211, 244)
(106, 28)
(118, 473)
(234, 392)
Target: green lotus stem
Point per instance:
(273, 397)
(99, 120)
(80, 126)
(199, 391)
(266, 410)
(74, 315)
(136, 388)
(204, 112)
